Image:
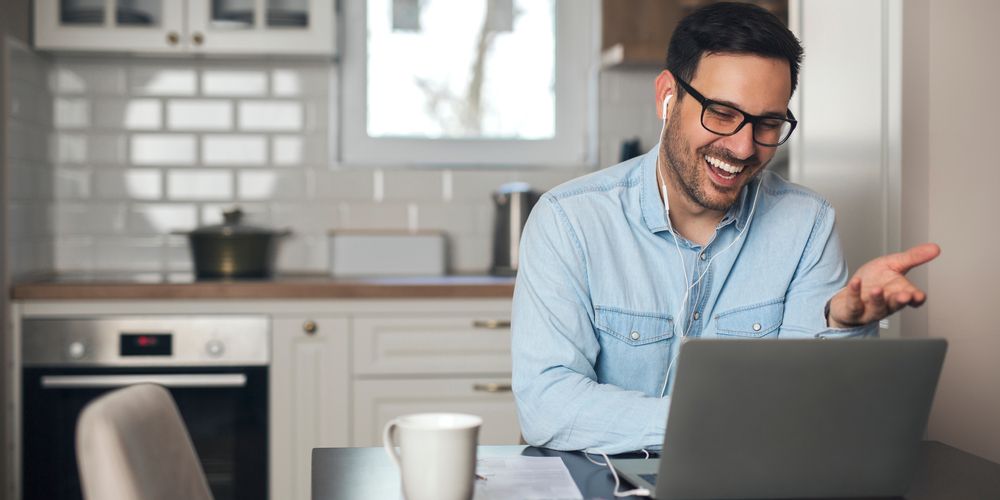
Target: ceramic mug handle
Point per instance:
(390, 446)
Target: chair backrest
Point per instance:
(131, 444)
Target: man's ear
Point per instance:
(665, 87)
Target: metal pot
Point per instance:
(233, 250)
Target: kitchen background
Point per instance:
(106, 154)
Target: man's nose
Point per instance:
(741, 143)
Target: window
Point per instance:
(468, 82)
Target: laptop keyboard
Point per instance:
(649, 478)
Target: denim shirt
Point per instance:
(597, 308)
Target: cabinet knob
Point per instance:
(173, 38)
(310, 327)
(492, 324)
(198, 38)
(492, 387)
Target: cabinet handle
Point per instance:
(173, 38)
(310, 327)
(492, 387)
(198, 38)
(493, 324)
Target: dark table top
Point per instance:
(366, 473)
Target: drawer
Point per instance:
(378, 401)
(431, 345)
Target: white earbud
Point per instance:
(665, 101)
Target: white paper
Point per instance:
(525, 478)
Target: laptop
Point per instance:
(793, 419)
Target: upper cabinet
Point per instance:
(299, 27)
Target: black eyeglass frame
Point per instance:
(747, 117)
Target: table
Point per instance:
(944, 473)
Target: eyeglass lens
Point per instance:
(726, 120)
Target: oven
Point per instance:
(216, 368)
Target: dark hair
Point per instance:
(731, 28)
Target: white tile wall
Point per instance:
(116, 155)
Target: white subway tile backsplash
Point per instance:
(270, 116)
(287, 150)
(234, 83)
(72, 183)
(199, 185)
(131, 184)
(234, 150)
(69, 148)
(298, 253)
(128, 114)
(419, 185)
(177, 254)
(373, 216)
(79, 76)
(301, 81)
(344, 184)
(271, 185)
(305, 219)
(73, 253)
(71, 112)
(158, 80)
(189, 114)
(471, 254)
(163, 149)
(161, 218)
(478, 185)
(453, 218)
(129, 254)
(87, 218)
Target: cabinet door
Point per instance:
(432, 344)
(309, 398)
(261, 26)
(121, 25)
(378, 401)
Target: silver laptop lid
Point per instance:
(797, 418)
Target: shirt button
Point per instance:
(635, 335)
(697, 315)
(702, 256)
(756, 327)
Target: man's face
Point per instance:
(755, 85)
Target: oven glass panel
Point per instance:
(228, 427)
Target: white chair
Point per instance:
(132, 444)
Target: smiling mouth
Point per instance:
(722, 169)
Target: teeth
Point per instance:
(723, 165)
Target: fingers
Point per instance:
(853, 304)
(875, 305)
(913, 257)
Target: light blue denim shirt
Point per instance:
(596, 324)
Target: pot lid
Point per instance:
(232, 225)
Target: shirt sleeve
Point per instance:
(821, 273)
(561, 404)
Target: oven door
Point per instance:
(224, 409)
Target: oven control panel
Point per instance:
(147, 341)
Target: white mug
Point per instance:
(437, 454)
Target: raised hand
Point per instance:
(880, 288)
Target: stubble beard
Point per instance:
(688, 169)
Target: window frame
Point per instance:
(576, 75)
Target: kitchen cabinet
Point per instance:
(433, 363)
(300, 27)
(309, 387)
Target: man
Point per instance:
(693, 239)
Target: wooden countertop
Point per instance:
(142, 287)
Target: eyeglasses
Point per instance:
(723, 119)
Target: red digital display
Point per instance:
(145, 344)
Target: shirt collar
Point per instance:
(651, 204)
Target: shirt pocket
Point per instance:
(754, 321)
(634, 328)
